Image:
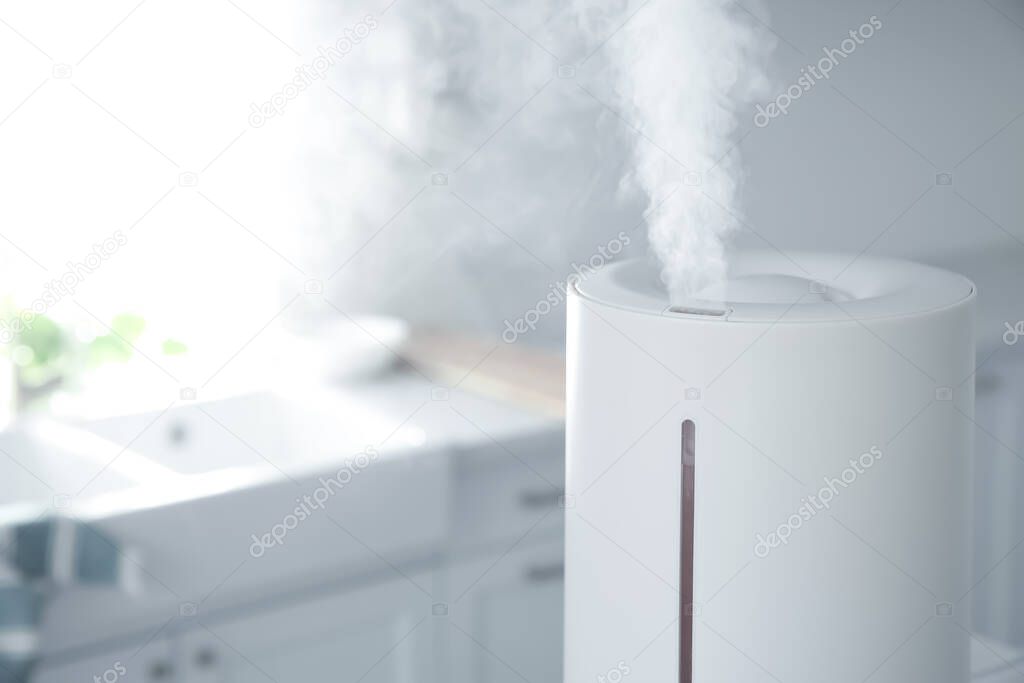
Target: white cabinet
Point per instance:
(146, 660)
(376, 632)
(491, 619)
(507, 624)
(495, 619)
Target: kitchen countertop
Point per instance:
(103, 468)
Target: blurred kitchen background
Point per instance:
(226, 295)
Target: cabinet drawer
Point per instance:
(508, 490)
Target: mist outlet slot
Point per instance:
(709, 312)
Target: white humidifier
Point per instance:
(770, 482)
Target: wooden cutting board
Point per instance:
(530, 377)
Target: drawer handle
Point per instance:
(206, 658)
(540, 499)
(543, 573)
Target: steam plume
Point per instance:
(684, 70)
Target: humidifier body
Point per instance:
(770, 482)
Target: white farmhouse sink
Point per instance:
(44, 464)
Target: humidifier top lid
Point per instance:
(792, 287)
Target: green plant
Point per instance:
(47, 354)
